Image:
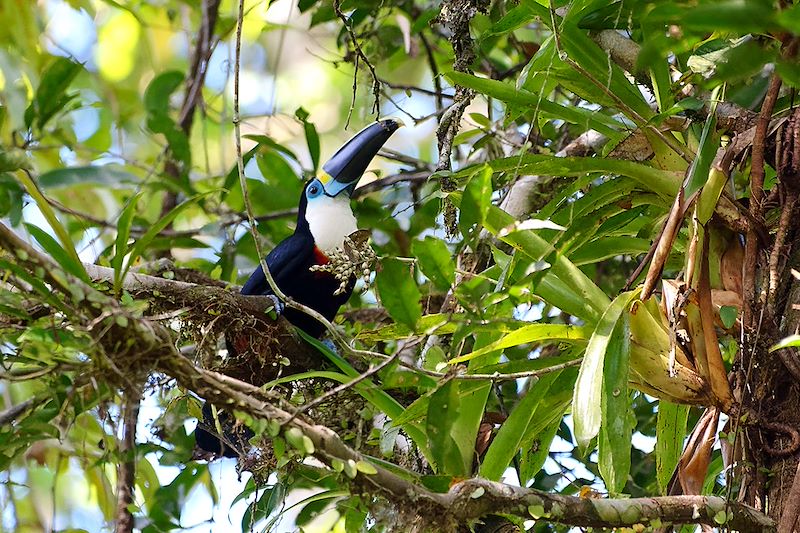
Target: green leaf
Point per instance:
(670, 432)
(143, 242)
(264, 141)
(595, 62)
(476, 200)
(587, 398)
(435, 261)
(58, 228)
(564, 270)
(399, 293)
(50, 95)
(728, 315)
(443, 410)
(511, 95)
(540, 333)
(312, 137)
(507, 441)
(791, 340)
(605, 247)
(438, 323)
(156, 102)
(57, 253)
(536, 452)
(662, 182)
(614, 444)
(739, 16)
(159, 90)
(374, 395)
(121, 241)
(110, 176)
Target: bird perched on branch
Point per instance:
(301, 264)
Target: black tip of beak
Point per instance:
(349, 163)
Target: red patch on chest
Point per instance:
(320, 258)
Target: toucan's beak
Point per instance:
(344, 169)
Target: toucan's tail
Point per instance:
(235, 439)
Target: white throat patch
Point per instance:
(330, 221)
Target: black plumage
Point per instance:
(290, 263)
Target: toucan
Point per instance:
(324, 219)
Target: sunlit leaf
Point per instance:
(670, 432)
(587, 399)
(435, 261)
(399, 293)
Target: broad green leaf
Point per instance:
(587, 398)
(57, 253)
(474, 398)
(728, 315)
(537, 249)
(159, 90)
(443, 410)
(435, 261)
(264, 141)
(156, 102)
(111, 176)
(121, 241)
(507, 93)
(739, 16)
(700, 171)
(438, 323)
(476, 200)
(399, 293)
(51, 94)
(670, 433)
(608, 247)
(556, 293)
(577, 63)
(549, 412)
(614, 444)
(514, 18)
(662, 182)
(528, 365)
(61, 232)
(535, 453)
(540, 333)
(507, 441)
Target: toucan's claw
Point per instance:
(277, 305)
(331, 346)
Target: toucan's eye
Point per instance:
(314, 190)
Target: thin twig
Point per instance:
(13, 412)
(376, 84)
(437, 81)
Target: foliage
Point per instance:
(583, 385)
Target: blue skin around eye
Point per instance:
(314, 190)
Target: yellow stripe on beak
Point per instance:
(324, 178)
